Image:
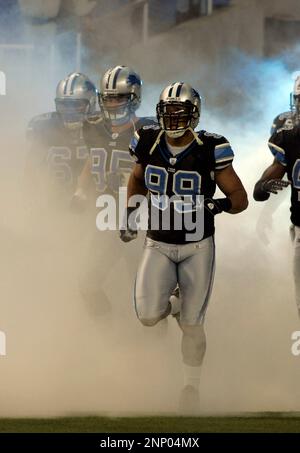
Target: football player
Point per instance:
(285, 147)
(180, 168)
(287, 120)
(109, 164)
(57, 150)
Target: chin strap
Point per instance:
(156, 141)
(196, 137)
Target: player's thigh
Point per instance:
(195, 278)
(156, 278)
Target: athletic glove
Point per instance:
(129, 227)
(217, 205)
(78, 201)
(273, 185)
(263, 189)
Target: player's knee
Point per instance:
(151, 321)
(193, 344)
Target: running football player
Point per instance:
(57, 150)
(180, 168)
(107, 137)
(285, 147)
(286, 120)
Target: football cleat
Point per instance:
(189, 401)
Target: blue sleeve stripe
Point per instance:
(133, 143)
(224, 160)
(281, 158)
(276, 149)
(223, 153)
(221, 167)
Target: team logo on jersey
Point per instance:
(173, 160)
(114, 135)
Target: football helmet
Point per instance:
(75, 98)
(178, 109)
(120, 94)
(295, 98)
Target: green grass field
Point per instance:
(252, 423)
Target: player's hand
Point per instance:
(128, 231)
(217, 205)
(128, 235)
(274, 185)
(78, 201)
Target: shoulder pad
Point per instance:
(284, 115)
(213, 135)
(39, 122)
(42, 117)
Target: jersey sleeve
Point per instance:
(223, 154)
(32, 131)
(37, 126)
(276, 145)
(275, 125)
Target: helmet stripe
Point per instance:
(178, 90)
(73, 83)
(65, 86)
(170, 90)
(69, 84)
(117, 72)
(108, 79)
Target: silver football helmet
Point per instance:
(75, 98)
(295, 97)
(120, 94)
(178, 109)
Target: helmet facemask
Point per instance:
(73, 111)
(117, 108)
(296, 107)
(175, 118)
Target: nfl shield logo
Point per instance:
(173, 160)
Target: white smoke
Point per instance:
(63, 360)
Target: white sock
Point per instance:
(191, 375)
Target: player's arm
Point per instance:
(230, 184)
(136, 186)
(136, 183)
(270, 181)
(79, 198)
(85, 176)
